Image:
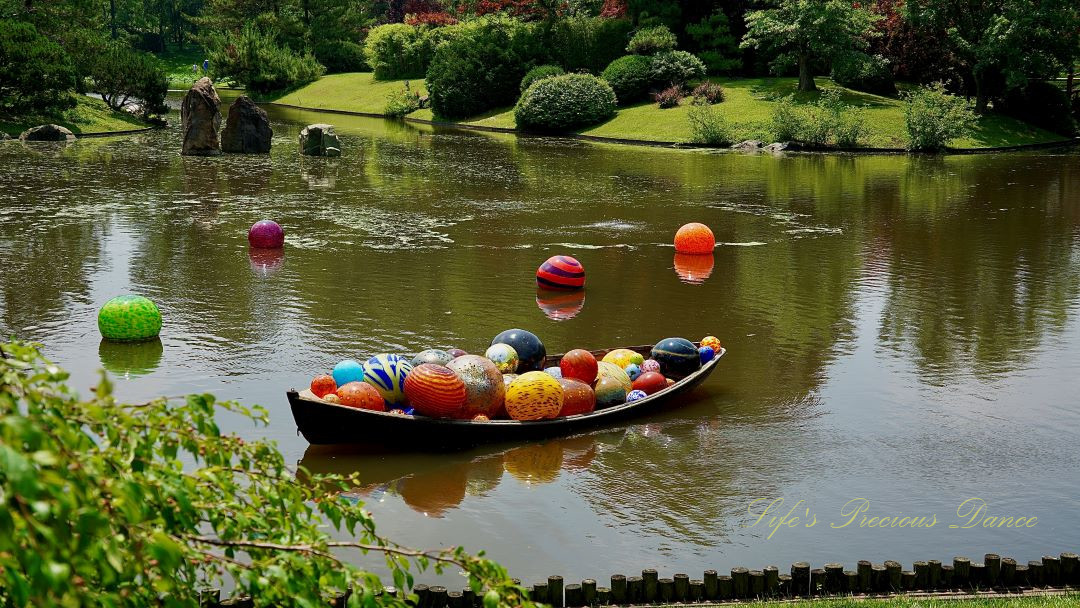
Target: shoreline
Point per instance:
(1065, 143)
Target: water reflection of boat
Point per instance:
(560, 305)
(434, 488)
(329, 423)
(694, 268)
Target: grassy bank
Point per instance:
(1037, 601)
(89, 115)
(747, 108)
(178, 65)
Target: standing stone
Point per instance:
(319, 140)
(247, 129)
(200, 118)
(47, 133)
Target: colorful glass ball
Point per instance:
(650, 382)
(634, 395)
(633, 371)
(578, 397)
(484, 386)
(678, 357)
(534, 396)
(323, 385)
(579, 364)
(561, 272)
(348, 371)
(456, 352)
(694, 238)
(650, 365)
(609, 392)
(529, 348)
(361, 395)
(266, 234)
(129, 319)
(623, 357)
(387, 374)
(331, 398)
(712, 342)
(503, 356)
(706, 354)
(554, 372)
(432, 355)
(481, 418)
(606, 369)
(435, 391)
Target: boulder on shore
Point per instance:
(778, 146)
(47, 133)
(200, 117)
(247, 129)
(750, 145)
(319, 140)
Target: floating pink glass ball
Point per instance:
(266, 234)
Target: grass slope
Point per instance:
(90, 115)
(178, 65)
(1060, 601)
(747, 108)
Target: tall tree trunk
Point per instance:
(981, 99)
(112, 17)
(806, 77)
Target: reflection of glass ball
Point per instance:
(128, 359)
(560, 305)
(266, 262)
(693, 269)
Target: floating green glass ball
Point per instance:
(129, 319)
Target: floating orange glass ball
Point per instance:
(694, 238)
(361, 395)
(323, 385)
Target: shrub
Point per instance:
(708, 126)
(709, 92)
(652, 40)
(562, 103)
(481, 66)
(396, 51)
(669, 97)
(588, 43)
(254, 59)
(786, 119)
(675, 68)
(934, 118)
(539, 73)
(121, 74)
(718, 48)
(862, 72)
(36, 75)
(402, 102)
(629, 76)
(829, 120)
(435, 18)
(1043, 104)
(847, 124)
(341, 56)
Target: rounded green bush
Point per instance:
(675, 68)
(562, 103)
(540, 72)
(650, 40)
(629, 76)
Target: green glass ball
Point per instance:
(129, 319)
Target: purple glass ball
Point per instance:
(266, 234)
(650, 365)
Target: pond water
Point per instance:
(900, 330)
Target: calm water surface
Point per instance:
(902, 330)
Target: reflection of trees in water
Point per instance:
(977, 280)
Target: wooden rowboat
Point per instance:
(323, 423)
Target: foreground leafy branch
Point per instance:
(113, 504)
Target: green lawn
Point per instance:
(178, 65)
(90, 115)
(1061, 601)
(748, 107)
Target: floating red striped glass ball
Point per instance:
(561, 272)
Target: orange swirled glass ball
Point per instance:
(694, 238)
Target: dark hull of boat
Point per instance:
(324, 423)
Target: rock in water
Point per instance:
(47, 133)
(776, 147)
(319, 140)
(750, 145)
(200, 118)
(247, 129)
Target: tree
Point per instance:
(134, 505)
(800, 32)
(1002, 41)
(121, 74)
(36, 75)
(716, 46)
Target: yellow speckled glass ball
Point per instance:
(607, 369)
(534, 396)
(623, 357)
